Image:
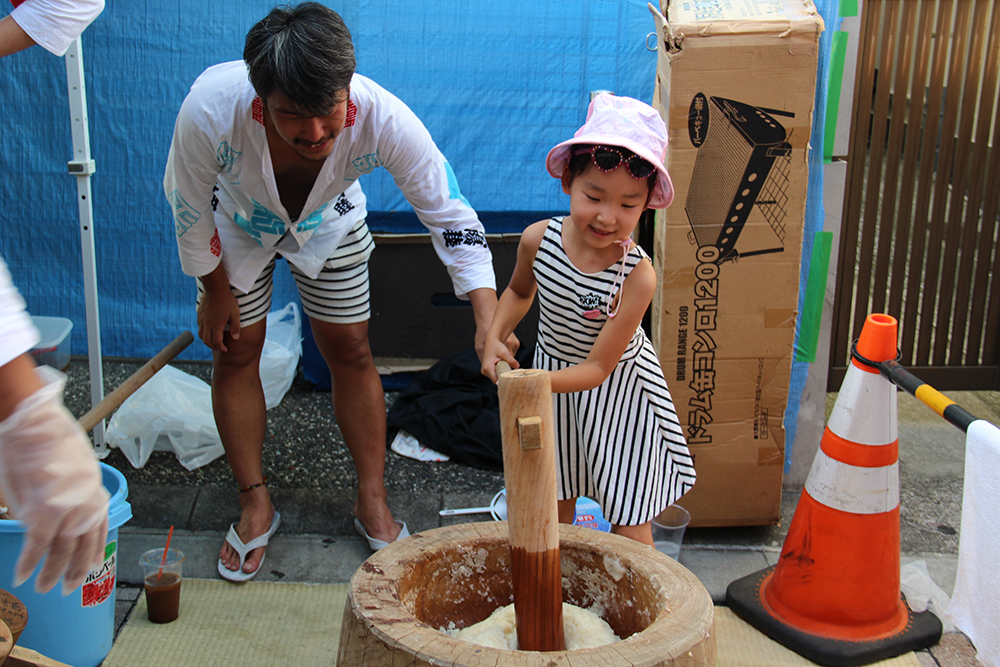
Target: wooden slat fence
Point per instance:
(920, 218)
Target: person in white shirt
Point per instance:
(265, 162)
(48, 472)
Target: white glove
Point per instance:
(53, 483)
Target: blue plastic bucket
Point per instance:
(77, 629)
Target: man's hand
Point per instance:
(52, 480)
(218, 309)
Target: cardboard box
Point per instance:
(735, 83)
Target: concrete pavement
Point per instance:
(313, 487)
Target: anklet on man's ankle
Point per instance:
(254, 486)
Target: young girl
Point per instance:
(618, 440)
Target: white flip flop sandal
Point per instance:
(376, 544)
(236, 543)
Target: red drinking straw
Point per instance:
(165, 549)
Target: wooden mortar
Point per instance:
(456, 576)
(13, 614)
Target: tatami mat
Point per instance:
(262, 624)
(256, 624)
(742, 645)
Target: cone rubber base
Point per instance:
(743, 596)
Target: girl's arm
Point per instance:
(636, 295)
(514, 302)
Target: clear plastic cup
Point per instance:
(162, 580)
(668, 530)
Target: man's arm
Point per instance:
(421, 172)
(189, 180)
(53, 24)
(484, 304)
(47, 468)
(13, 38)
(427, 181)
(17, 382)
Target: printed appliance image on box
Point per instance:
(735, 85)
(743, 165)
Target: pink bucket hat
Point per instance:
(624, 122)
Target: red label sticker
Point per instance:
(100, 584)
(258, 110)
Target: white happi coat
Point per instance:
(220, 184)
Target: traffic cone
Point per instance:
(834, 595)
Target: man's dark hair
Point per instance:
(304, 52)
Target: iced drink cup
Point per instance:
(162, 580)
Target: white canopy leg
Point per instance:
(82, 166)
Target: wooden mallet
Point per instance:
(532, 514)
(136, 380)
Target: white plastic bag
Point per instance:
(282, 350)
(922, 593)
(172, 411)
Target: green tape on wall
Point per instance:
(838, 54)
(848, 8)
(812, 307)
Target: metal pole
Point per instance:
(82, 166)
(890, 369)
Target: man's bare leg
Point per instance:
(359, 406)
(241, 417)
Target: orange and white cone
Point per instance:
(834, 595)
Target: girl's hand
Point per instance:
(493, 352)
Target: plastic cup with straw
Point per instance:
(162, 581)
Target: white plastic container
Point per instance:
(53, 348)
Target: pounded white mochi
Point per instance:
(582, 628)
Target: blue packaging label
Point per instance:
(588, 515)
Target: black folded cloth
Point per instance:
(453, 408)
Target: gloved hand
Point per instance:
(53, 482)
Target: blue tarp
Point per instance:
(830, 11)
(497, 84)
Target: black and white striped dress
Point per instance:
(619, 443)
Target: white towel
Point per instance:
(975, 603)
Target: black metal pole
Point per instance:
(952, 412)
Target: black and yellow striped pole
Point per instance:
(952, 412)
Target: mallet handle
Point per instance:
(532, 515)
(136, 380)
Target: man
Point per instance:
(47, 467)
(264, 161)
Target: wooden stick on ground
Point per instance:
(136, 380)
(532, 514)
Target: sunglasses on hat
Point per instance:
(608, 159)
